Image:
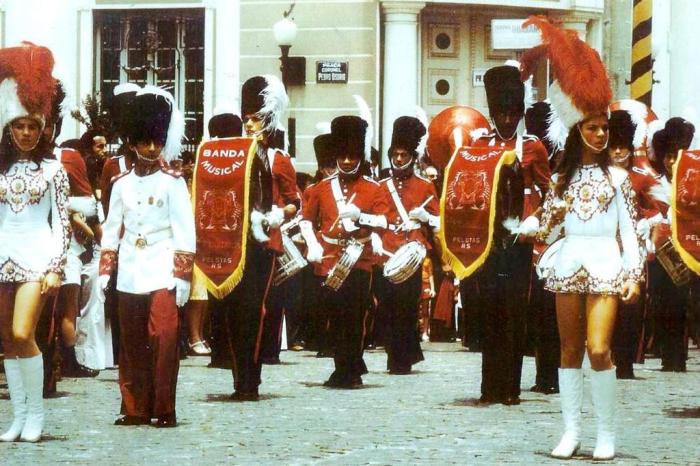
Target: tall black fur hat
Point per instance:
(621, 129)
(408, 133)
(349, 133)
(324, 148)
(504, 90)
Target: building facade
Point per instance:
(396, 54)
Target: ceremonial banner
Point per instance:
(220, 192)
(685, 208)
(468, 206)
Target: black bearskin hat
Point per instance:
(537, 119)
(153, 116)
(621, 129)
(225, 125)
(505, 91)
(324, 147)
(677, 134)
(266, 98)
(407, 133)
(123, 93)
(349, 136)
(252, 99)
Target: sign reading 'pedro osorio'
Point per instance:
(329, 72)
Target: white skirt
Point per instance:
(25, 253)
(586, 265)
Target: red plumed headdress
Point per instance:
(27, 88)
(581, 87)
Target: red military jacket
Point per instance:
(412, 192)
(284, 190)
(643, 178)
(533, 163)
(76, 169)
(321, 210)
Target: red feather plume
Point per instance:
(31, 66)
(576, 66)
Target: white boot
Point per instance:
(33, 379)
(18, 397)
(571, 395)
(603, 391)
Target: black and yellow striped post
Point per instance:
(642, 78)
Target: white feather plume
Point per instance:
(638, 113)
(366, 114)
(125, 87)
(661, 191)
(422, 144)
(275, 102)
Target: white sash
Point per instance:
(348, 224)
(407, 222)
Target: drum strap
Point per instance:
(518, 145)
(409, 224)
(122, 164)
(348, 224)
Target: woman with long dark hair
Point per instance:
(591, 211)
(34, 228)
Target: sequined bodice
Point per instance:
(24, 184)
(589, 192)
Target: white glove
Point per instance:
(420, 214)
(314, 250)
(182, 292)
(275, 217)
(644, 229)
(350, 211)
(530, 226)
(377, 244)
(256, 219)
(103, 281)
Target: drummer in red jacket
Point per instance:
(347, 209)
(412, 213)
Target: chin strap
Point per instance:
(594, 149)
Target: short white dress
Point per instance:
(34, 224)
(597, 247)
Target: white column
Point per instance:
(661, 94)
(400, 83)
(685, 67)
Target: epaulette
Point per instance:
(171, 171)
(369, 178)
(422, 178)
(282, 152)
(119, 176)
(530, 137)
(643, 171)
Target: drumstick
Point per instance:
(425, 203)
(335, 223)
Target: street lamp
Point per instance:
(293, 68)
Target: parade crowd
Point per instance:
(545, 230)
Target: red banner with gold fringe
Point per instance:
(685, 208)
(468, 206)
(220, 192)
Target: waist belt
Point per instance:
(149, 239)
(400, 228)
(343, 241)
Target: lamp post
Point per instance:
(285, 31)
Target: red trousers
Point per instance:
(148, 354)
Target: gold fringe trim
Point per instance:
(228, 285)
(463, 271)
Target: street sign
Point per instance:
(508, 34)
(329, 72)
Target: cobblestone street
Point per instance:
(430, 417)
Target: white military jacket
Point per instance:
(156, 214)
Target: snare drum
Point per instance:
(404, 263)
(290, 262)
(342, 268)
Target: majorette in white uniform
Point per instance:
(589, 259)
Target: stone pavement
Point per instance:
(430, 417)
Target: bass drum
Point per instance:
(450, 129)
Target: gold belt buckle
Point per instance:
(140, 243)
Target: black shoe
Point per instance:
(239, 395)
(220, 364)
(544, 389)
(324, 354)
(400, 370)
(511, 401)
(271, 361)
(132, 421)
(489, 399)
(166, 421)
(79, 371)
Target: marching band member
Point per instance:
(412, 209)
(504, 279)
(155, 259)
(33, 190)
(627, 134)
(669, 302)
(273, 198)
(347, 209)
(590, 204)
